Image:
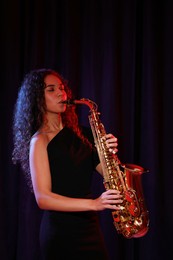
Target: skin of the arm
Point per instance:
(47, 200)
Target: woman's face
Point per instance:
(54, 94)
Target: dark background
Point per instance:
(119, 54)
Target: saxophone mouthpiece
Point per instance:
(69, 102)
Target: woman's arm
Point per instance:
(46, 199)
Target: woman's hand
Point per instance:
(112, 143)
(109, 199)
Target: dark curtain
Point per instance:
(119, 54)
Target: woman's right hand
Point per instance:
(110, 199)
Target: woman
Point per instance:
(58, 159)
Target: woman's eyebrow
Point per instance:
(54, 85)
(50, 85)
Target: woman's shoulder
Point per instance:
(40, 139)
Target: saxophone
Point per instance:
(132, 219)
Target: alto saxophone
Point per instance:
(132, 219)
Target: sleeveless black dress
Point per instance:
(71, 235)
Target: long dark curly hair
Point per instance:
(28, 115)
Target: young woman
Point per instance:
(58, 158)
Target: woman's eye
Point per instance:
(50, 89)
(61, 87)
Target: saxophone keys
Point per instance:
(121, 207)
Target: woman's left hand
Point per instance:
(112, 143)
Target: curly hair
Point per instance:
(28, 116)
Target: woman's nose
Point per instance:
(61, 93)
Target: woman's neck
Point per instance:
(52, 123)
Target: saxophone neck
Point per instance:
(83, 101)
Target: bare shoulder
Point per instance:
(39, 140)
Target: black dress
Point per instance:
(71, 235)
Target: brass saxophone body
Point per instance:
(132, 220)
